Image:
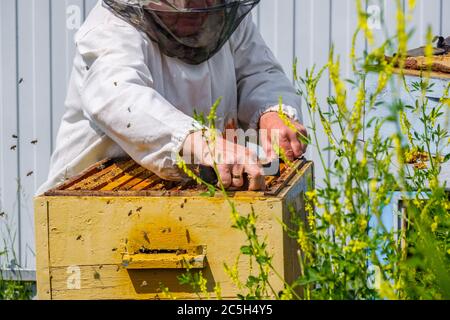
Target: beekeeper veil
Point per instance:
(190, 30)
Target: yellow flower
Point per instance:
(386, 291)
(435, 224)
(183, 167)
(311, 221)
(311, 195)
(447, 205)
(363, 224)
(251, 220)
(355, 246)
(364, 160)
(308, 208)
(303, 242)
(218, 291)
(434, 183)
(202, 283)
(373, 185)
(286, 295)
(348, 204)
(328, 218)
(363, 23)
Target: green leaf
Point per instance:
(207, 194)
(447, 157)
(247, 250)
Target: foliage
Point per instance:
(348, 252)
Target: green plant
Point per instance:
(347, 252)
(257, 284)
(12, 289)
(343, 249)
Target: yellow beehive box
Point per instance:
(117, 231)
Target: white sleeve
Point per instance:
(118, 96)
(260, 78)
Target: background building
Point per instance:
(36, 53)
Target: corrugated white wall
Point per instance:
(36, 52)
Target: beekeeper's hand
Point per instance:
(234, 162)
(289, 140)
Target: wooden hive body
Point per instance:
(118, 232)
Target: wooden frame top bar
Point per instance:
(125, 178)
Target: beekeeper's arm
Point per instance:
(118, 96)
(261, 83)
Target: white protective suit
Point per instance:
(125, 97)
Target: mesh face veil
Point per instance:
(190, 30)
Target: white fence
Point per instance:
(36, 52)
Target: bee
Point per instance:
(129, 126)
(146, 238)
(129, 110)
(13, 147)
(14, 136)
(29, 173)
(2, 214)
(34, 142)
(21, 80)
(115, 83)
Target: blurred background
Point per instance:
(36, 53)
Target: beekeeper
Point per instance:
(144, 68)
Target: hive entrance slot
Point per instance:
(180, 258)
(144, 250)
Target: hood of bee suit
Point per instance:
(190, 30)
